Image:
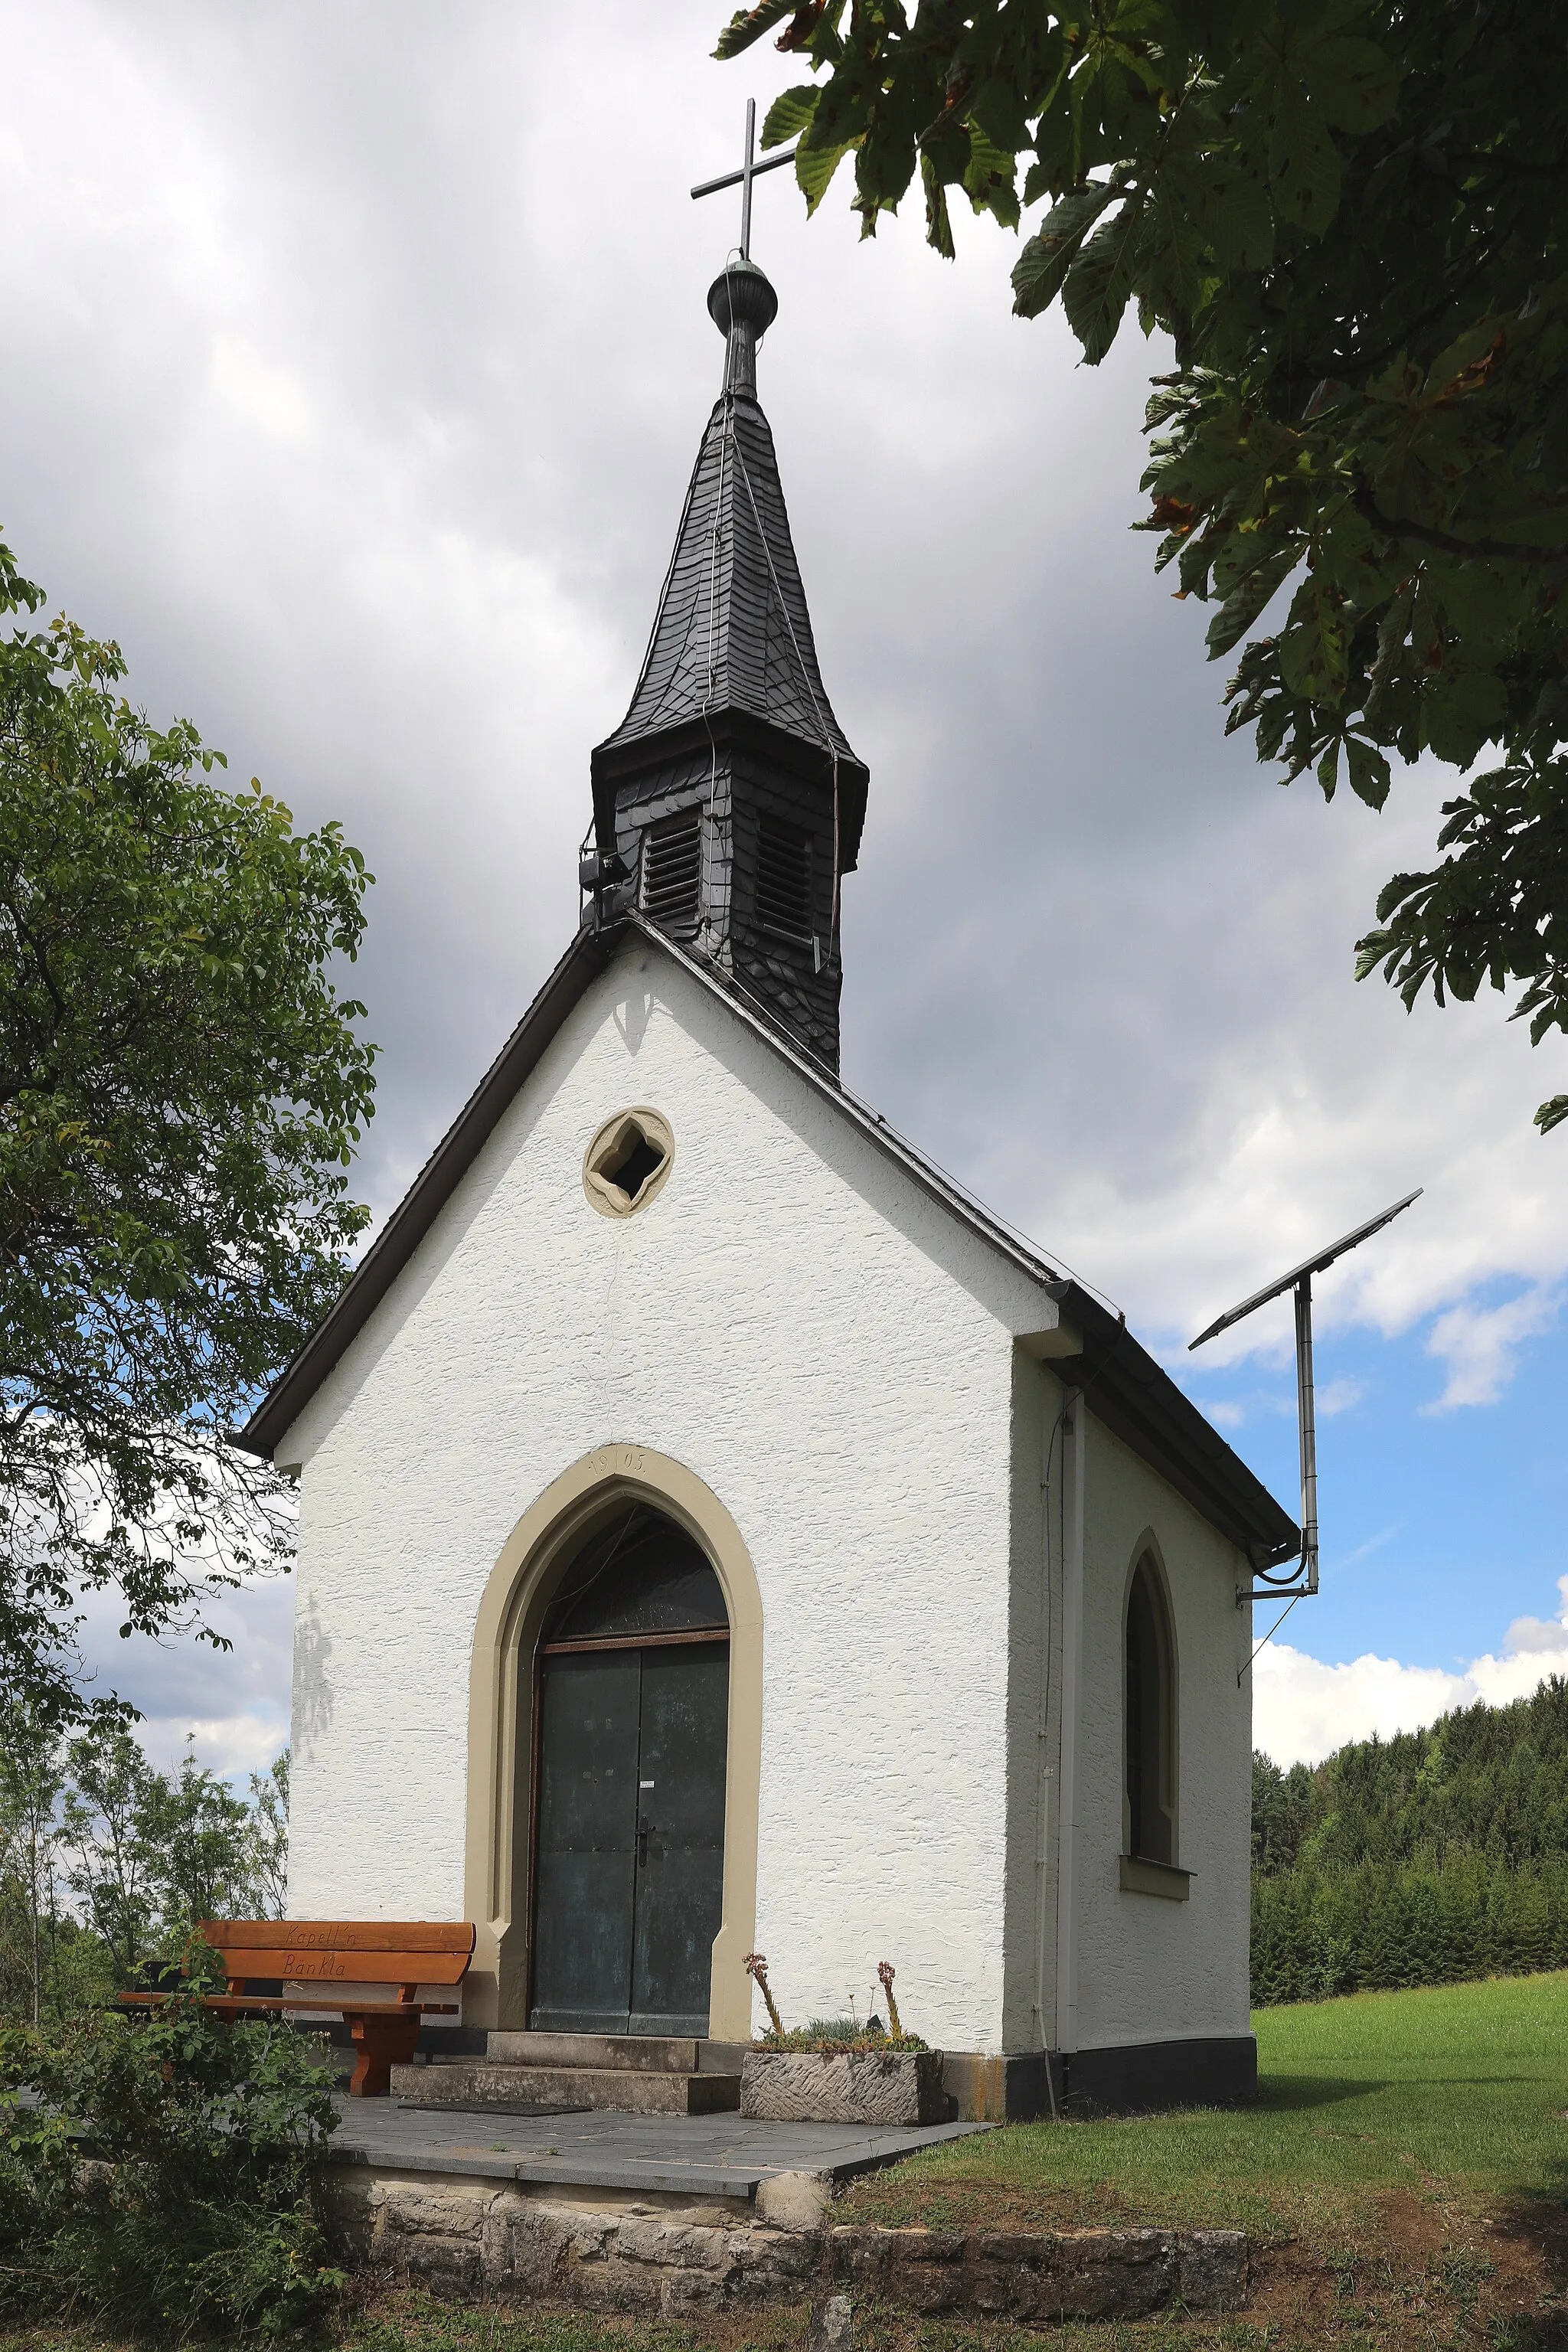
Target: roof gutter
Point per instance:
(1139, 1401)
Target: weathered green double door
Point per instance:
(628, 1883)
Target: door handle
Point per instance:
(644, 1831)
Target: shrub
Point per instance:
(155, 2173)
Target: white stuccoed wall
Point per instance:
(831, 1350)
(1149, 1969)
(822, 1343)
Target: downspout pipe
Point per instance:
(1307, 1419)
(1068, 1778)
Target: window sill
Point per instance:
(1140, 1877)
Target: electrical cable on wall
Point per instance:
(1045, 1772)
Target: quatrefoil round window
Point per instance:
(627, 1161)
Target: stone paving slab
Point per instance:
(711, 2155)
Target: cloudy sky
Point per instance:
(354, 361)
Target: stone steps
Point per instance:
(632, 2090)
(646, 2053)
(631, 2074)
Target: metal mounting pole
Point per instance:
(1299, 1280)
(1307, 1419)
(746, 180)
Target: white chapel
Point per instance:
(717, 1532)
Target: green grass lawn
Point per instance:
(1461, 2088)
(1404, 2170)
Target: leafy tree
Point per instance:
(107, 1863)
(105, 1815)
(155, 1852)
(196, 1835)
(1348, 216)
(269, 1839)
(181, 1088)
(31, 1782)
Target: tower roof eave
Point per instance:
(621, 756)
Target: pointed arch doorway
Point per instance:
(630, 1714)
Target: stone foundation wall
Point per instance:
(473, 2237)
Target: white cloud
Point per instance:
(341, 395)
(368, 439)
(232, 1745)
(1342, 1394)
(1480, 1344)
(1278, 1405)
(234, 1702)
(1302, 1709)
(266, 396)
(1546, 1635)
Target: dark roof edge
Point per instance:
(431, 1190)
(620, 756)
(1121, 1383)
(1139, 1401)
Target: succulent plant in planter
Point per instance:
(837, 2071)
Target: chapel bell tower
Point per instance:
(728, 805)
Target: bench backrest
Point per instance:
(353, 1951)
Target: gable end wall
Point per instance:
(806, 1330)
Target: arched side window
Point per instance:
(1148, 1802)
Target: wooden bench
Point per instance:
(324, 1952)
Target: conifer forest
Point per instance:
(1429, 1858)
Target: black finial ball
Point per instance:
(741, 295)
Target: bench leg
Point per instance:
(383, 2042)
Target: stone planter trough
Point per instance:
(821, 2087)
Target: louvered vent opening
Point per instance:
(672, 871)
(784, 878)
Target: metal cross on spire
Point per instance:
(742, 179)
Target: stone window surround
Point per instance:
(603, 1193)
(1138, 1877)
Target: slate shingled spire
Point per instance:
(729, 788)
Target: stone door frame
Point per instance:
(497, 1864)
